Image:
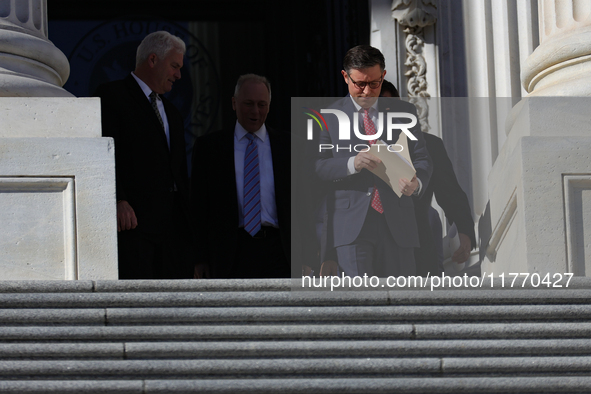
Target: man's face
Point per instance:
(166, 71)
(367, 96)
(252, 105)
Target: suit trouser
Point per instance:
(163, 255)
(375, 252)
(426, 257)
(261, 256)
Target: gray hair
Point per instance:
(252, 78)
(160, 43)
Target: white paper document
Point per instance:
(394, 165)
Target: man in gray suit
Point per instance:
(371, 230)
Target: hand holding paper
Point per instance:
(366, 160)
(408, 187)
(395, 167)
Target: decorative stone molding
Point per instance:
(415, 13)
(414, 16)
(577, 217)
(30, 65)
(53, 220)
(416, 75)
(502, 227)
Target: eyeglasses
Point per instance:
(362, 85)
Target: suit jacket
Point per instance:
(348, 201)
(450, 196)
(215, 198)
(146, 170)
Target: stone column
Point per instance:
(57, 174)
(561, 65)
(540, 184)
(30, 65)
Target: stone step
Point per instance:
(284, 368)
(134, 286)
(299, 332)
(269, 285)
(268, 299)
(349, 314)
(296, 314)
(294, 349)
(467, 385)
(267, 336)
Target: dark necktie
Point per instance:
(370, 129)
(154, 102)
(252, 193)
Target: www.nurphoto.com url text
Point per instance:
(511, 279)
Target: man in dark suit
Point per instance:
(450, 196)
(241, 179)
(151, 170)
(371, 229)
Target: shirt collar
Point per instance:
(143, 86)
(240, 132)
(358, 107)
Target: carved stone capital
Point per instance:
(413, 13)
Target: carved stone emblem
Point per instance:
(415, 13)
(413, 16)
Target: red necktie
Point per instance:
(370, 129)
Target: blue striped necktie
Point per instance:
(252, 191)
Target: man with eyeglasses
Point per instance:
(368, 228)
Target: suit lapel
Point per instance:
(382, 108)
(281, 157)
(275, 152)
(228, 171)
(174, 128)
(350, 109)
(149, 116)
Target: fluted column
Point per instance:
(561, 65)
(30, 65)
(540, 184)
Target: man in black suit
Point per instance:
(151, 170)
(241, 199)
(371, 229)
(450, 196)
